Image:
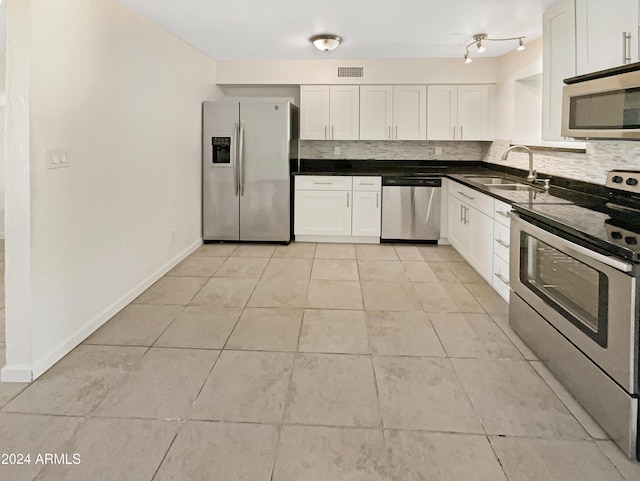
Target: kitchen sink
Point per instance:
(518, 187)
(490, 181)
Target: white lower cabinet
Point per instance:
(501, 239)
(471, 231)
(457, 228)
(337, 209)
(479, 230)
(366, 214)
(323, 212)
(501, 277)
(481, 242)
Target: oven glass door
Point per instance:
(574, 289)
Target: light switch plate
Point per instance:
(57, 158)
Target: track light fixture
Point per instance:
(479, 38)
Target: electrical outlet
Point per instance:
(336, 151)
(438, 150)
(57, 158)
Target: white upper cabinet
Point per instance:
(458, 112)
(559, 63)
(393, 112)
(473, 112)
(314, 112)
(329, 112)
(442, 112)
(344, 112)
(600, 29)
(376, 112)
(409, 112)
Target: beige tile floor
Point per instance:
(307, 362)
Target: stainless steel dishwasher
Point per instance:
(411, 208)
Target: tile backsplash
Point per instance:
(592, 166)
(392, 150)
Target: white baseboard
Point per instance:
(39, 366)
(338, 239)
(16, 373)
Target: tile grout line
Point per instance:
(597, 442)
(375, 381)
(178, 431)
(286, 403)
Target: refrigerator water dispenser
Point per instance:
(221, 150)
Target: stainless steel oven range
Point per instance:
(575, 299)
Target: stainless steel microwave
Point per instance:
(603, 105)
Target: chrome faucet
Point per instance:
(532, 173)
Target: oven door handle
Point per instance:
(570, 247)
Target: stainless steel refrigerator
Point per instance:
(248, 150)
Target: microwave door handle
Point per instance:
(626, 48)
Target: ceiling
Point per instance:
(280, 29)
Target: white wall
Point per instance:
(512, 68)
(280, 92)
(3, 100)
(123, 97)
(376, 71)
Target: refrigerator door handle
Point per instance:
(241, 159)
(236, 130)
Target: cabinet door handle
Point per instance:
(396, 132)
(377, 199)
(503, 279)
(323, 183)
(332, 133)
(367, 183)
(347, 199)
(502, 243)
(461, 133)
(461, 216)
(389, 132)
(454, 132)
(466, 210)
(465, 195)
(502, 213)
(325, 131)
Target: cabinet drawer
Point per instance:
(501, 277)
(323, 182)
(501, 241)
(472, 197)
(500, 210)
(367, 183)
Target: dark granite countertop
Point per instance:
(562, 190)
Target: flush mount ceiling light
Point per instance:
(479, 38)
(325, 41)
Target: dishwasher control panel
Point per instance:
(410, 181)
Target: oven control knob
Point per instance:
(617, 235)
(617, 179)
(631, 240)
(632, 181)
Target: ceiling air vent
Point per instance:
(350, 72)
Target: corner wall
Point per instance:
(123, 98)
(592, 166)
